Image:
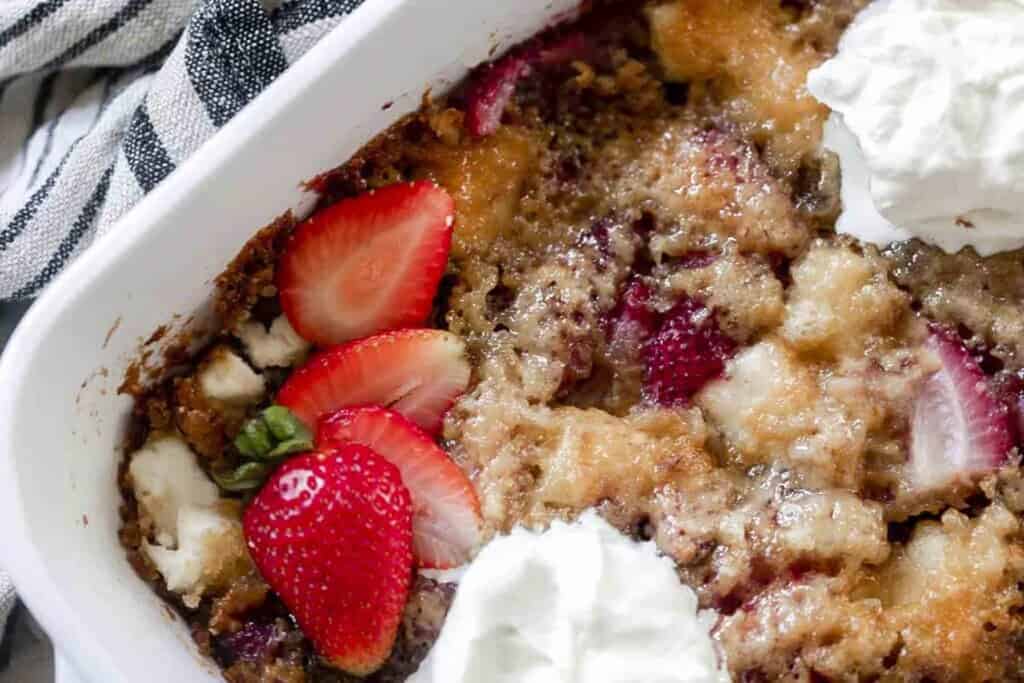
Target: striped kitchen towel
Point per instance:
(101, 99)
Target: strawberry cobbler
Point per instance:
(601, 274)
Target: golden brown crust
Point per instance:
(250, 275)
(242, 596)
(204, 428)
(260, 672)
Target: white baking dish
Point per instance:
(61, 420)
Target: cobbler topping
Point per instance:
(599, 280)
(754, 70)
(926, 124)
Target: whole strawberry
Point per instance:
(331, 532)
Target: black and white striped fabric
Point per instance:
(101, 99)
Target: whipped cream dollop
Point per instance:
(578, 603)
(928, 122)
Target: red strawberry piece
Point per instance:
(959, 428)
(418, 373)
(686, 352)
(331, 532)
(495, 83)
(367, 264)
(632, 320)
(491, 91)
(446, 512)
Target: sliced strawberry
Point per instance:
(688, 351)
(368, 264)
(446, 512)
(494, 83)
(331, 532)
(491, 91)
(418, 372)
(959, 428)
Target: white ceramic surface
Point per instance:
(61, 420)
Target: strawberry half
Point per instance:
(367, 264)
(959, 428)
(418, 373)
(446, 512)
(331, 532)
